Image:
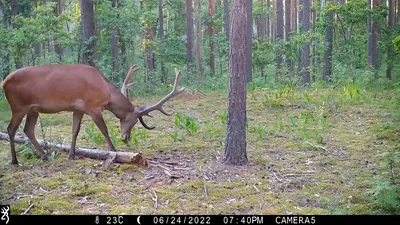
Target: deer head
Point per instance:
(144, 110)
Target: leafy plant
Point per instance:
(186, 122)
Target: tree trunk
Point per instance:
(189, 34)
(211, 36)
(374, 40)
(272, 30)
(114, 42)
(279, 38)
(88, 44)
(294, 15)
(328, 47)
(14, 11)
(390, 54)
(98, 154)
(369, 43)
(199, 40)
(288, 22)
(306, 46)
(226, 18)
(162, 47)
(235, 143)
(249, 42)
(261, 22)
(268, 29)
(57, 48)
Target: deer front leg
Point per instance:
(29, 129)
(16, 119)
(76, 126)
(99, 121)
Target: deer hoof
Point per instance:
(44, 157)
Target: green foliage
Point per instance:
(186, 122)
(386, 192)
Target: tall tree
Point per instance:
(369, 27)
(189, 33)
(267, 33)
(293, 7)
(288, 22)
(114, 40)
(305, 58)
(15, 8)
(261, 22)
(88, 42)
(375, 30)
(57, 48)
(329, 45)
(161, 36)
(249, 41)
(226, 18)
(235, 142)
(390, 55)
(210, 28)
(199, 40)
(279, 38)
(148, 21)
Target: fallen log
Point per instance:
(98, 154)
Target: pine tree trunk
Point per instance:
(88, 44)
(57, 48)
(268, 29)
(162, 47)
(189, 34)
(279, 38)
(235, 142)
(249, 40)
(390, 54)
(14, 12)
(210, 28)
(226, 18)
(306, 46)
(199, 41)
(288, 22)
(329, 46)
(114, 42)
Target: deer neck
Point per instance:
(119, 105)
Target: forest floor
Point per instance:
(314, 151)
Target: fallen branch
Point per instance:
(98, 154)
(280, 180)
(205, 191)
(155, 199)
(317, 146)
(28, 209)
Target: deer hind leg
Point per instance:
(12, 129)
(29, 129)
(99, 121)
(76, 126)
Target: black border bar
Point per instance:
(202, 219)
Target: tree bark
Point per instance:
(162, 47)
(328, 47)
(390, 54)
(374, 40)
(235, 143)
(249, 42)
(268, 29)
(226, 18)
(279, 38)
(261, 22)
(306, 46)
(98, 154)
(211, 36)
(288, 22)
(114, 42)
(369, 27)
(294, 15)
(57, 48)
(189, 34)
(199, 40)
(14, 11)
(88, 43)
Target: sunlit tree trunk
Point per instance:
(210, 28)
(199, 41)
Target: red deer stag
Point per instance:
(76, 88)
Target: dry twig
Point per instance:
(280, 180)
(205, 191)
(28, 209)
(155, 199)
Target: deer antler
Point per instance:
(144, 110)
(126, 85)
